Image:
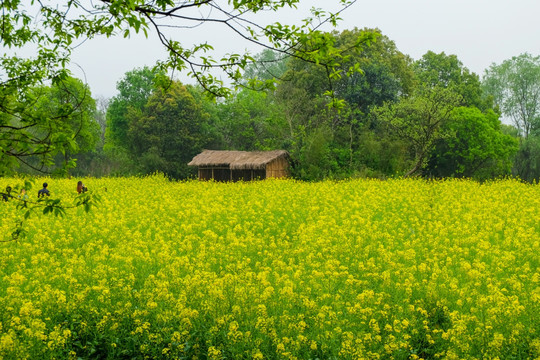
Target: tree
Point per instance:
(134, 90)
(527, 159)
(419, 120)
(56, 29)
(476, 147)
(472, 143)
(73, 95)
(43, 121)
(169, 131)
(102, 106)
(268, 67)
(386, 73)
(515, 86)
(251, 120)
(303, 94)
(448, 71)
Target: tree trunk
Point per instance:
(416, 167)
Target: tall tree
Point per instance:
(170, 129)
(134, 89)
(527, 159)
(386, 74)
(515, 86)
(73, 95)
(269, 66)
(448, 71)
(419, 120)
(51, 31)
(476, 146)
(102, 105)
(251, 120)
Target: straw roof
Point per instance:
(237, 159)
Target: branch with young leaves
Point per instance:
(62, 28)
(43, 121)
(55, 29)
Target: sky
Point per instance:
(479, 32)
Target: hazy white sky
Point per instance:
(479, 32)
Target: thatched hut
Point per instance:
(223, 165)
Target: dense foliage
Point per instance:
(46, 125)
(515, 87)
(399, 269)
(38, 38)
(396, 116)
(343, 104)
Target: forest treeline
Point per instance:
(430, 117)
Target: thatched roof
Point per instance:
(237, 159)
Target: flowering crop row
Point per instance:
(359, 269)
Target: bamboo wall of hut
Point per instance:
(278, 168)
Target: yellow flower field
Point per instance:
(359, 269)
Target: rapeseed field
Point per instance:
(276, 269)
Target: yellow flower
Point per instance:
(354, 268)
(214, 353)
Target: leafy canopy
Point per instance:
(515, 86)
(420, 119)
(43, 121)
(58, 28)
(50, 30)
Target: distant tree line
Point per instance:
(396, 117)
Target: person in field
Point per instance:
(7, 194)
(44, 191)
(81, 188)
(23, 195)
